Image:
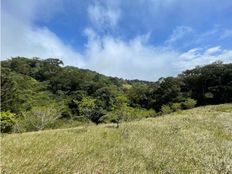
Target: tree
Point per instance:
(40, 116)
(139, 95)
(106, 97)
(210, 84)
(48, 69)
(120, 108)
(9, 92)
(87, 107)
(166, 91)
(7, 120)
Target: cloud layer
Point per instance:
(137, 59)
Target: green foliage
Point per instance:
(110, 117)
(139, 113)
(121, 102)
(7, 121)
(106, 97)
(122, 112)
(210, 84)
(9, 99)
(138, 95)
(87, 107)
(176, 106)
(166, 109)
(128, 114)
(120, 108)
(167, 90)
(189, 103)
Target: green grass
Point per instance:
(190, 141)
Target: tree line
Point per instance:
(38, 94)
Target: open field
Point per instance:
(190, 141)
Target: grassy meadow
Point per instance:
(189, 141)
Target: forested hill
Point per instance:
(32, 85)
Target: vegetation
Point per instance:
(189, 141)
(38, 118)
(165, 109)
(189, 103)
(7, 121)
(41, 93)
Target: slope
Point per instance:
(190, 141)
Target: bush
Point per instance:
(138, 113)
(64, 123)
(109, 118)
(189, 103)
(166, 109)
(176, 106)
(128, 114)
(7, 121)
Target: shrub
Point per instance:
(166, 109)
(64, 123)
(110, 117)
(127, 114)
(209, 95)
(189, 103)
(138, 113)
(7, 121)
(176, 106)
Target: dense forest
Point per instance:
(38, 94)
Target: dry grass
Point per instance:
(193, 141)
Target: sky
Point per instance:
(132, 39)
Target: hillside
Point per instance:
(38, 94)
(189, 141)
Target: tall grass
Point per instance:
(191, 141)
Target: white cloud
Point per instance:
(199, 56)
(132, 59)
(21, 38)
(213, 50)
(103, 16)
(179, 33)
(188, 55)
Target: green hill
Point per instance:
(39, 94)
(189, 141)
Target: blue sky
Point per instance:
(139, 39)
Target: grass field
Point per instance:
(190, 141)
